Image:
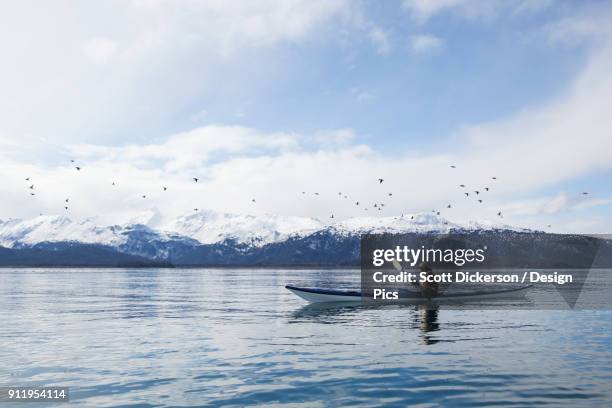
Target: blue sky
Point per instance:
(271, 98)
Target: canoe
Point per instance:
(317, 295)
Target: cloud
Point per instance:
(421, 44)
(165, 57)
(380, 40)
(99, 50)
(485, 10)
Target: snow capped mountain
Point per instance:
(15, 233)
(208, 238)
(210, 227)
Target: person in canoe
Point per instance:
(428, 289)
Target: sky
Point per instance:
(265, 100)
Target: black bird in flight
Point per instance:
(32, 194)
(357, 203)
(32, 187)
(390, 194)
(412, 217)
(461, 185)
(78, 168)
(477, 192)
(316, 193)
(252, 199)
(486, 188)
(144, 196)
(380, 181)
(71, 160)
(480, 201)
(195, 209)
(113, 183)
(448, 206)
(438, 213)
(165, 188)
(499, 214)
(67, 200)
(494, 178)
(467, 194)
(66, 208)
(585, 193)
(195, 179)
(340, 193)
(453, 167)
(303, 192)
(332, 216)
(27, 179)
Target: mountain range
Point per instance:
(207, 238)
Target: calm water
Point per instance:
(237, 337)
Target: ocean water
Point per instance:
(206, 337)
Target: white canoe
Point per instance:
(316, 295)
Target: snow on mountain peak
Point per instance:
(55, 228)
(210, 227)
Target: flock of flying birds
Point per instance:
(374, 207)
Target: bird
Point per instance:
(462, 185)
(27, 179)
(477, 192)
(448, 206)
(340, 193)
(467, 194)
(382, 205)
(412, 217)
(332, 216)
(195, 209)
(32, 187)
(32, 194)
(165, 188)
(380, 181)
(375, 205)
(480, 201)
(549, 225)
(499, 214)
(438, 213)
(66, 200)
(357, 203)
(453, 167)
(71, 160)
(316, 193)
(486, 188)
(78, 168)
(195, 179)
(113, 183)
(585, 193)
(66, 208)
(390, 194)
(253, 200)
(303, 192)
(144, 196)
(345, 196)
(494, 178)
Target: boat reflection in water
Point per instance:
(423, 317)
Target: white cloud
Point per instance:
(421, 44)
(380, 39)
(99, 50)
(165, 56)
(423, 10)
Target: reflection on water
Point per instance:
(237, 337)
